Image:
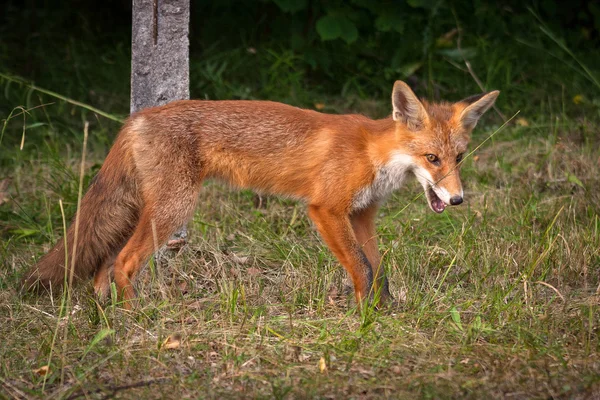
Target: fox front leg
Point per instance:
(337, 232)
(363, 224)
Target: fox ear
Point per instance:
(407, 107)
(475, 107)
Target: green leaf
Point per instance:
(477, 324)
(24, 232)
(97, 339)
(331, 27)
(291, 6)
(574, 180)
(409, 69)
(458, 55)
(456, 317)
(349, 31)
(389, 21)
(36, 125)
(328, 27)
(422, 3)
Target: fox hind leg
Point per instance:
(160, 217)
(102, 278)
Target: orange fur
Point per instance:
(342, 166)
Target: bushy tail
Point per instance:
(108, 214)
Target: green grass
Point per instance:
(498, 297)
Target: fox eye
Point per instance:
(459, 158)
(432, 158)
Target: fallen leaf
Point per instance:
(42, 371)
(183, 287)
(172, 342)
(4, 190)
(333, 296)
(319, 106)
(322, 365)
(363, 370)
(239, 259)
(176, 244)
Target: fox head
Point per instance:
(435, 137)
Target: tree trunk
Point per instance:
(160, 59)
(160, 70)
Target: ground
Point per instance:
(497, 298)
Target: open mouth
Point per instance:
(435, 202)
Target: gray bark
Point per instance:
(160, 58)
(160, 70)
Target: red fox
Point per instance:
(341, 166)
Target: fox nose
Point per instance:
(456, 200)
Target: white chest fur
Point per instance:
(388, 178)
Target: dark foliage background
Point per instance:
(335, 56)
(302, 51)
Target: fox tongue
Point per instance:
(438, 205)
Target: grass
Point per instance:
(498, 297)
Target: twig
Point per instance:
(61, 97)
(27, 110)
(553, 288)
(43, 312)
(19, 394)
